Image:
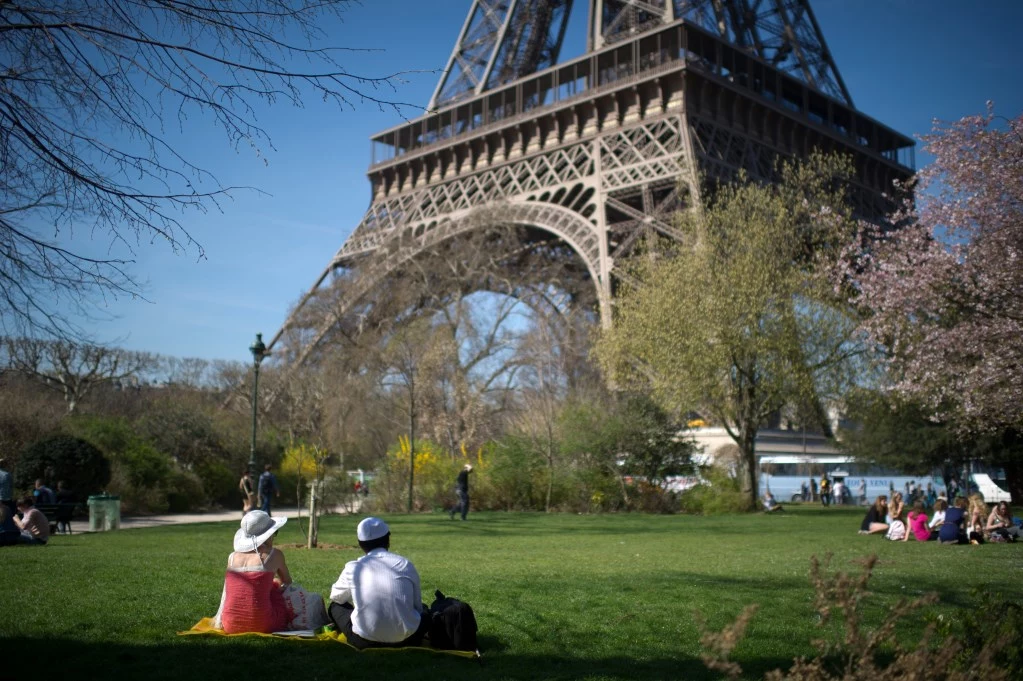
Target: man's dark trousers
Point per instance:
(463, 503)
(341, 615)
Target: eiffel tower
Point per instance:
(602, 149)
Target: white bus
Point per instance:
(785, 475)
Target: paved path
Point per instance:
(134, 522)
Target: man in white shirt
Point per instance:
(839, 492)
(377, 602)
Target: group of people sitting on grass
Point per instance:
(966, 520)
(376, 601)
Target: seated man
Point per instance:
(35, 528)
(43, 494)
(376, 602)
(770, 505)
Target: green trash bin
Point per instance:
(104, 512)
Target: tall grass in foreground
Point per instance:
(556, 596)
(867, 654)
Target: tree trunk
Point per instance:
(624, 487)
(1014, 479)
(748, 467)
(314, 520)
(71, 398)
(411, 454)
(550, 480)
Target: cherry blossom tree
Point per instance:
(945, 289)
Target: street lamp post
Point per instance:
(258, 350)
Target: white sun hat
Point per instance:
(256, 528)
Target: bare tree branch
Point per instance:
(87, 90)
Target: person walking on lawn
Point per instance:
(462, 492)
(268, 487)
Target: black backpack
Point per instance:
(453, 624)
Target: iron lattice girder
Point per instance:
(561, 222)
(597, 151)
(784, 33)
(502, 40)
(628, 157)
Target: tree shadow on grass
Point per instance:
(184, 658)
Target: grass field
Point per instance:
(556, 596)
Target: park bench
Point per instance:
(58, 513)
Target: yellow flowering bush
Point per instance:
(304, 461)
(435, 470)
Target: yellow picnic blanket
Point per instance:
(204, 627)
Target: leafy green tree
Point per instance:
(77, 462)
(516, 475)
(139, 463)
(185, 431)
(741, 318)
(895, 431)
(632, 437)
(898, 433)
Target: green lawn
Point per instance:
(556, 596)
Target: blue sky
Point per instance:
(905, 62)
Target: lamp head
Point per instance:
(258, 349)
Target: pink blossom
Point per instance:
(944, 292)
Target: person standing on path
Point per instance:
(248, 490)
(267, 487)
(462, 491)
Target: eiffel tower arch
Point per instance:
(600, 150)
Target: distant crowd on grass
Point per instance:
(920, 514)
(966, 520)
